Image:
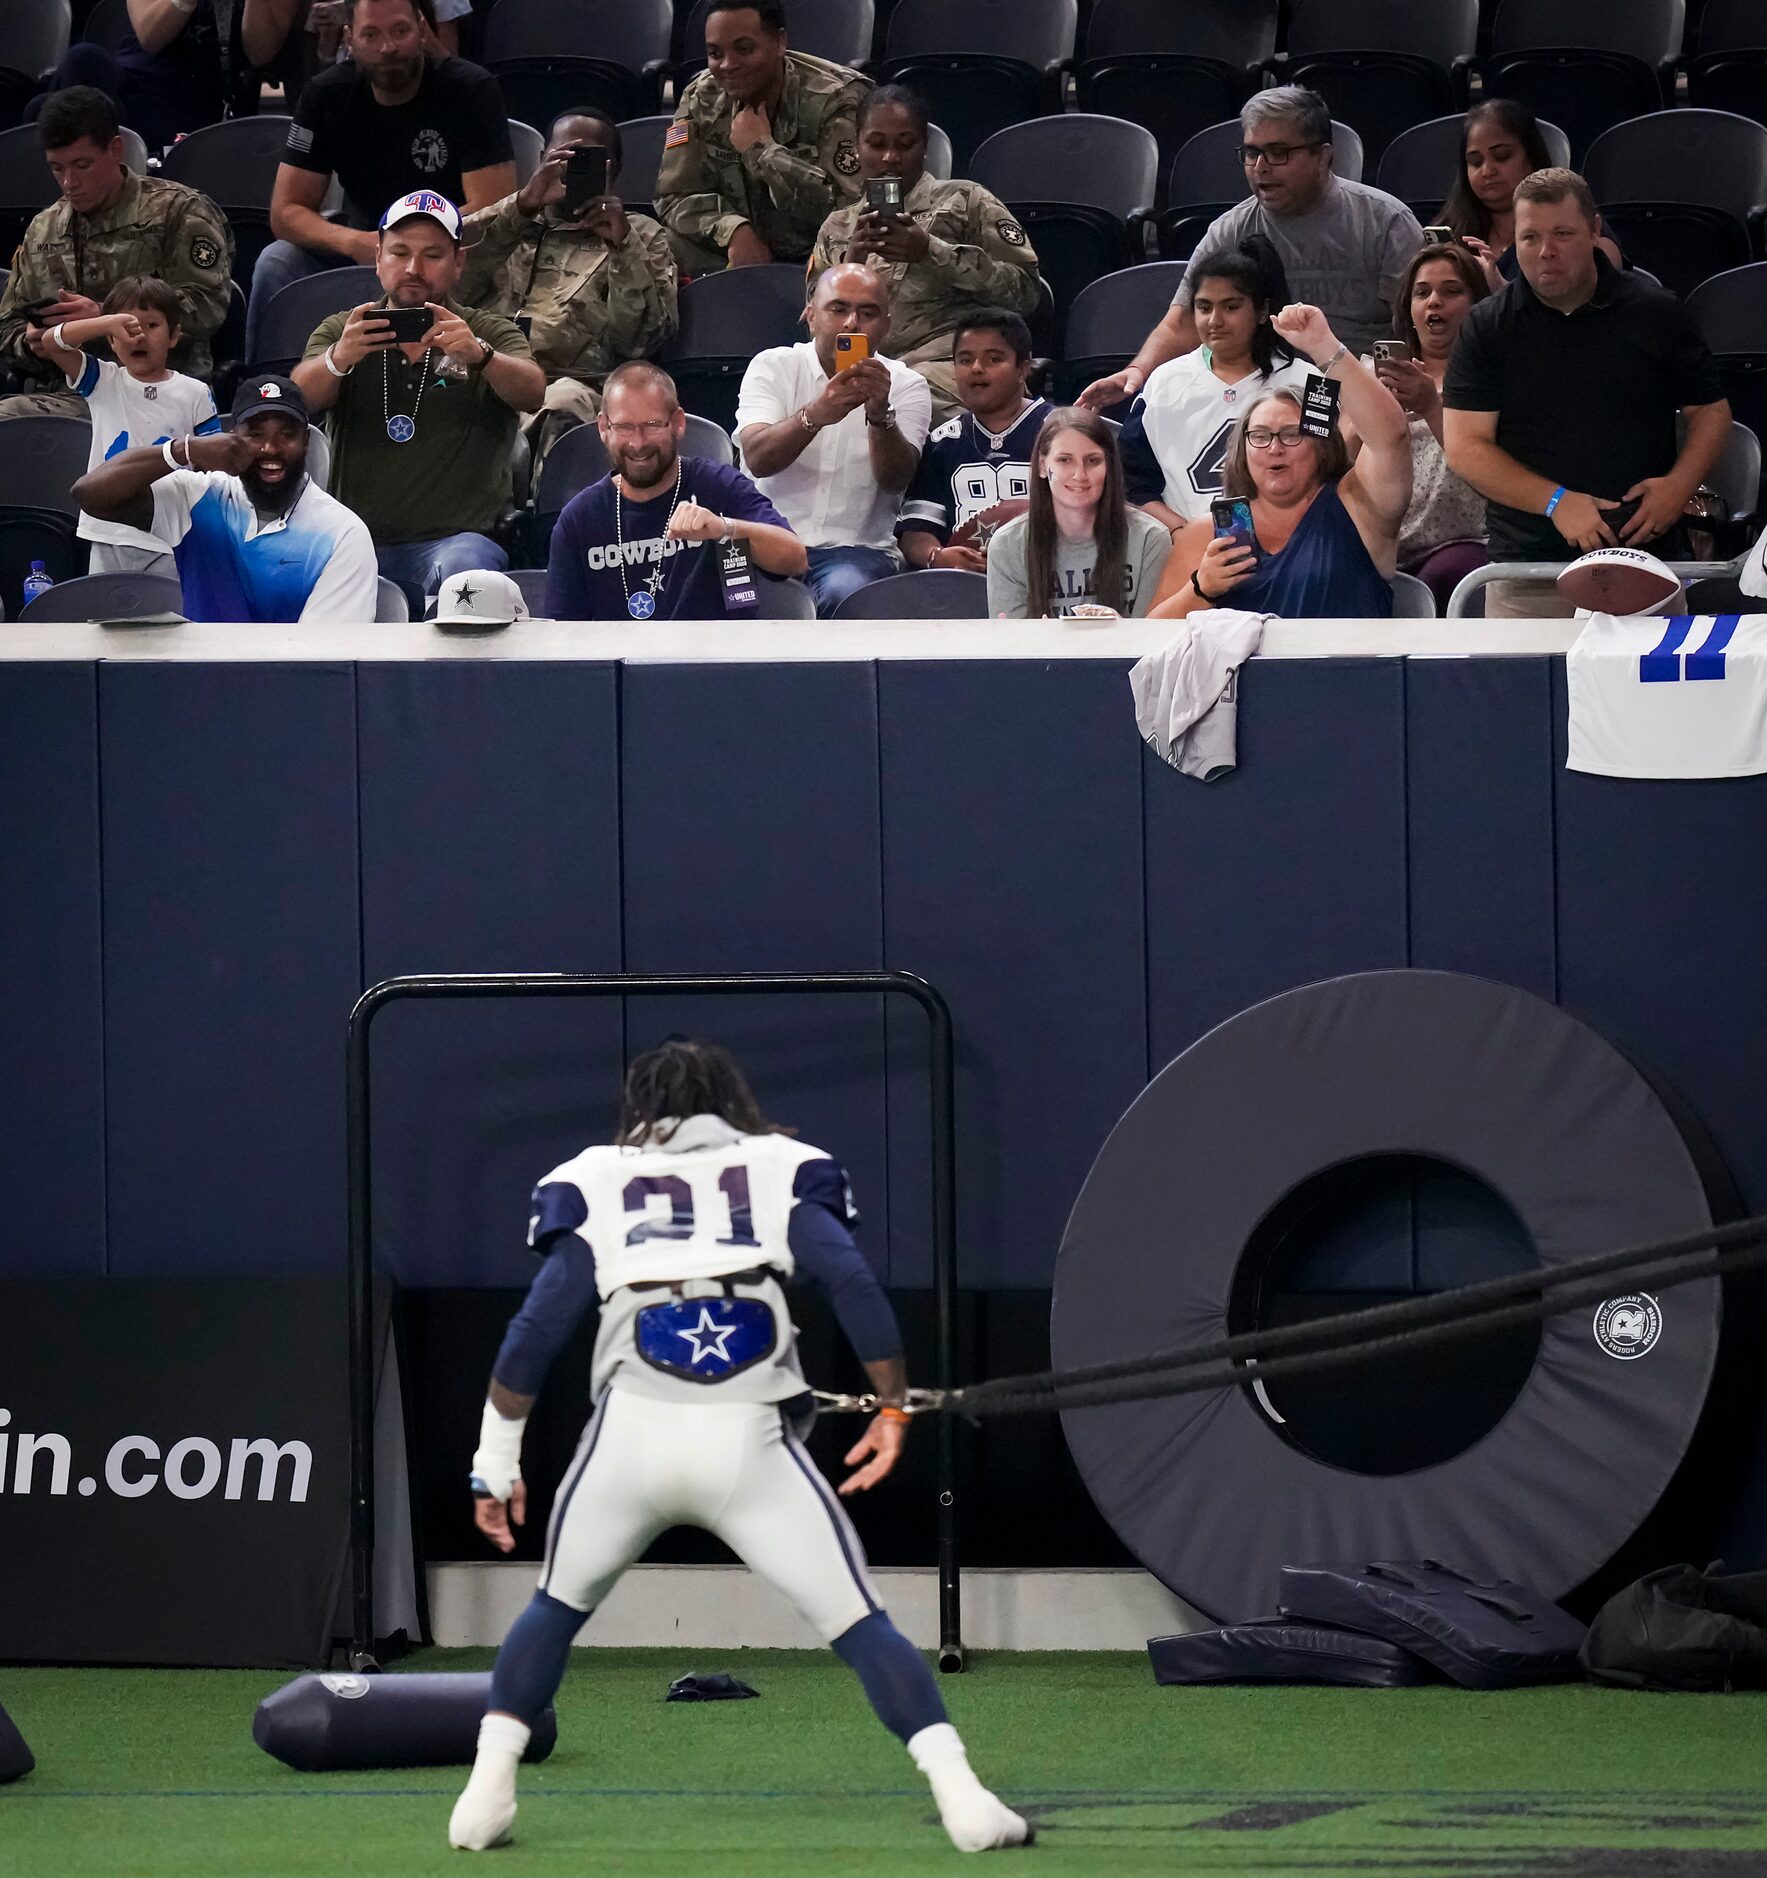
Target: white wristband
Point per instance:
(497, 1464)
(332, 366)
(58, 337)
(166, 451)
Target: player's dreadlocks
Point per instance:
(680, 1078)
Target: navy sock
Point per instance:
(530, 1666)
(897, 1681)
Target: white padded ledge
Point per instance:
(773, 641)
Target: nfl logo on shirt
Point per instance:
(1684, 696)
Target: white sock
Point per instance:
(485, 1811)
(975, 1819)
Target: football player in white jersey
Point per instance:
(686, 1228)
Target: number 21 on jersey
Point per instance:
(664, 1204)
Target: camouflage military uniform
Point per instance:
(591, 306)
(154, 227)
(979, 256)
(783, 189)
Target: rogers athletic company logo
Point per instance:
(194, 1468)
(1629, 1326)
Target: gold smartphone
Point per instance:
(849, 350)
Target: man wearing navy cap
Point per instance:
(423, 433)
(254, 537)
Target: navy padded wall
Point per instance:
(52, 1009)
(749, 804)
(1012, 880)
(232, 957)
(490, 842)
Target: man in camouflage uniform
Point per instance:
(953, 249)
(762, 146)
(109, 225)
(591, 293)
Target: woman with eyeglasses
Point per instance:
(1324, 536)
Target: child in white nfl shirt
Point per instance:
(137, 400)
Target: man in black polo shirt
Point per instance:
(393, 120)
(1560, 401)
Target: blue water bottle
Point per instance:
(36, 581)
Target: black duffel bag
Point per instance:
(1682, 1628)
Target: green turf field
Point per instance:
(154, 1771)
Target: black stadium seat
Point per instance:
(1382, 65)
(1420, 165)
(924, 593)
(981, 65)
(841, 30)
(234, 164)
(1683, 192)
(33, 534)
(1586, 64)
(1109, 319)
(1729, 312)
(302, 305)
(41, 458)
(1175, 66)
(1208, 178)
(36, 36)
(641, 156)
(106, 597)
(613, 54)
(725, 320)
(1727, 69)
(1083, 187)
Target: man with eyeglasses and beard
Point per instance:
(1344, 246)
(662, 536)
(255, 539)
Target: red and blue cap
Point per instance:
(424, 202)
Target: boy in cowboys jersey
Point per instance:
(974, 473)
(686, 1228)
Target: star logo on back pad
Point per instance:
(709, 1337)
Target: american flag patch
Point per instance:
(676, 136)
(300, 139)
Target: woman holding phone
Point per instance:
(1308, 536)
(947, 249)
(1079, 551)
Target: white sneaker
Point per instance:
(974, 1818)
(482, 1818)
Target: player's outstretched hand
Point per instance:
(493, 1517)
(882, 1441)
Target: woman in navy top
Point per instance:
(1324, 537)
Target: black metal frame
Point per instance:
(626, 985)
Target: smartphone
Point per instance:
(883, 195)
(850, 349)
(33, 310)
(1437, 231)
(1232, 516)
(1617, 519)
(1391, 350)
(585, 178)
(409, 323)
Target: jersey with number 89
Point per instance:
(668, 1226)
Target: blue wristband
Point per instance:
(1553, 500)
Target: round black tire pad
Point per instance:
(1490, 1079)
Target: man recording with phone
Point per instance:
(831, 433)
(425, 393)
(591, 285)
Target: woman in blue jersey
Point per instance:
(1324, 537)
(685, 1229)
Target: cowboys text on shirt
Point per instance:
(608, 554)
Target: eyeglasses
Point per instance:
(651, 429)
(1275, 154)
(1261, 439)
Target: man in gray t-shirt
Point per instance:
(1344, 246)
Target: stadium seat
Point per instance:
(1683, 192)
(16, 91)
(982, 65)
(1736, 477)
(291, 316)
(104, 597)
(1108, 321)
(1208, 178)
(234, 164)
(938, 153)
(391, 608)
(106, 25)
(641, 156)
(41, 458)
(1083, 187)
(1412, 599)
(1586, 64)
(529, 147)
(782, 599)
(613, 54)
(725, 320)
(841, 30)
(1727, 70)
(1730, 314)
(31, 534)
(922, 593)
(532, 582)
(1420, 165)
(1383, 65)
(36, 36)
(26, 185)
(1175, 66)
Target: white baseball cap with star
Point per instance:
(479, 601)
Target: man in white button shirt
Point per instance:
(833, 445)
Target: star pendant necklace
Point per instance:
(400, 427)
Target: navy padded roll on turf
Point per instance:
(333, 1724)
(1481, 1635)
(1280, 1649)
(1211, 1491)
(16, 1758)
